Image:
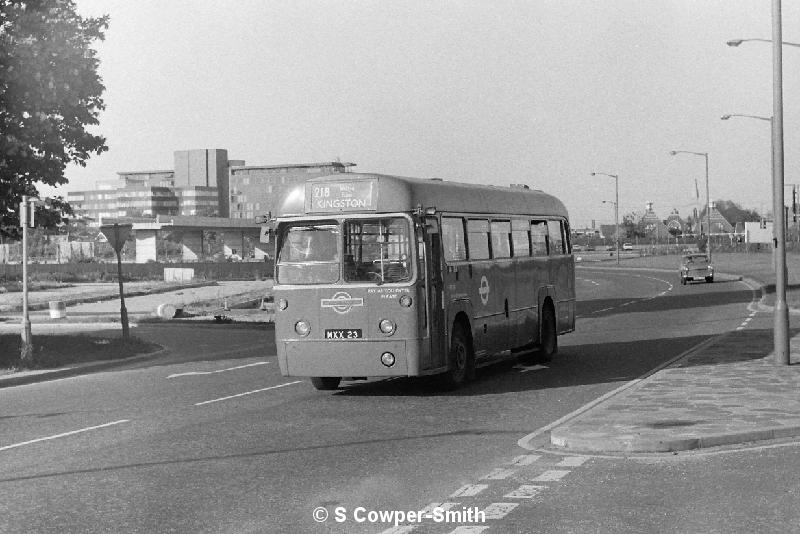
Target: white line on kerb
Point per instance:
(65, 434)
(195, 373)
(247, 393)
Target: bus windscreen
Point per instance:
(373, 250)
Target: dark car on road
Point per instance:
(696, 267)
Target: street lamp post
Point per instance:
(708, 195)
(616, 210)
(781, 313)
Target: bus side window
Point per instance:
(478, 239)
(455, 248)
(501, 239)
(556, 239)
(567, 237)
(539, 238)
(520, 238)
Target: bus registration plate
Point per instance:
(343, 333)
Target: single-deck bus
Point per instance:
(379, 276)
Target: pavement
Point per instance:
(727, 391)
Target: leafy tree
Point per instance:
(50, 92)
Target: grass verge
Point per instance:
(52, 351)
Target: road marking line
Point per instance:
(498, 510)
(526, 491)
(525, 459)
(194, 373)
(499, 474)
(469, 490)
(441, 505)
(400, 529)
(551, 476)
(572, 461)
(247, 393)
(65, 434)
(468, 530)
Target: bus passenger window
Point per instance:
(501, 239)
(556, 238)
(539, 238)
(520, 238)
(455, 248)
(478, 239)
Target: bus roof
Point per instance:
(360, 192)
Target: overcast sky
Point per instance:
(498, 92)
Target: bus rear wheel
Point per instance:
(548, 338)
(325, 383)
(461, 359)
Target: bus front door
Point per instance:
(434, 286)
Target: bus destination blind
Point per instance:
(340, 196)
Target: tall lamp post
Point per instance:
(616, 210)
(708, 195)
(781, 313)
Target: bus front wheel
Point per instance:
(325, 383)
(461, 359)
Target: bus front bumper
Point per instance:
(343, 359)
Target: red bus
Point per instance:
(379, 276)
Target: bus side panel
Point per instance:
(563, 276)
(490, 290)
(525, 306)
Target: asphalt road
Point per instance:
(210, 437)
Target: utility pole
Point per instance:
(25, 218)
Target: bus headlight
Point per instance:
(387, 359)
(387, 326)
(283, 304)
(405, 301)
(302, 328)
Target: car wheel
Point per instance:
(709, 279)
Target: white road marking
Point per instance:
(498, 510)
(551, 476)
(195, 373)
(247, 393)
(526, 491)
(572, 461)
(469, 490)
(525, 459)
(499, 474)
(442, 505)
(65, 434)
(400, 529)
(526, 368)
(468, 530)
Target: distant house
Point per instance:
(651, 225)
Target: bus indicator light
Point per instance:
(405, 301)
(387, 359)
(282, 304)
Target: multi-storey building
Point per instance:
(203, 183)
